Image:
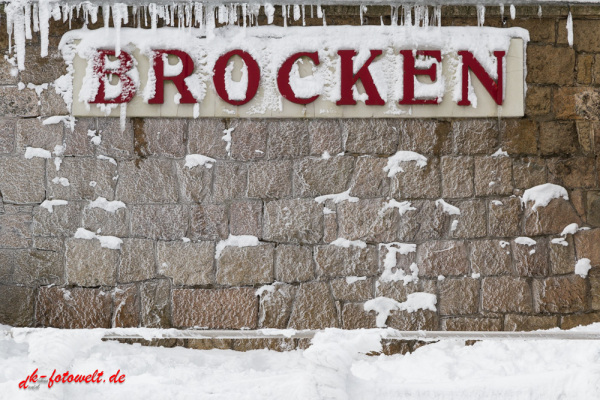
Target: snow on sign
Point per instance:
(336, 71)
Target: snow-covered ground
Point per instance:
(334, 367)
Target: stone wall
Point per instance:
(267, 186)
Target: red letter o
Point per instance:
(253, 76)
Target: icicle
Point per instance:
(36, 21)
(210, 22)
(222, 16)
(283, 6)
(15, 20)
(28, 21)
(106, 15)
(381, 20)
(312, 15)
(425, 16)
(407, 15)
(56, 12)
(319, 11)
(501, 10)
(480, 14)
(244, 14)
(199, 14)
(269, 12)
(360, 13)
(181, 16)
(513, 11)
(172, 10)
(324, 20)
(123, 116)
(303, 15)
(44, 17)
(153, 15)
(296, 12)
(232, 14)
(539, 11)
(438, 15)
(394, 14)
(569, 29)
(65, 9)
(188, 15)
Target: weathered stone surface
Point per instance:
(458, 296)
(576, 172)
(316, 176)
(279, 345)
(550, 65)
(186, 263)
(585, 64)
(153, 181)
(491, 257)
(594, 278)
(137, 260)
(205, 136)
(155, 303)
(117, 143)
(77, 142)
(287, 139)
(367, 220)
(22, 180)
(428, 221)
(369, 136)
(471, 324)
(109, 223)
(62, 221)
(15, 230)
(505, 217)
(354, 316)
(587, 245)
(165, 137)
(562, 258)
(245, 218)
(446, 258)
(550, 219)
(270, 179)
(493, 176)
(531, 260)
(519, 136)
(80, 172)
(593, 208)
(40, 267)
(42, 69)
(457, 177)
(126, 306)
(471, 221)
(586, 38)
(336, 261)
(560, 294)
(506, 294)
(330, 226)
(424, 136)
(541, 30)
(52, 104)
(529, 172)
(195, 183)
(164, 222)
(538, 100)
(475, 136)
(17, 305)
(325, 136)
(558, 137)
(577, 103)
(297, 221)
(421, 320)
(313, 308)
(276, 306)
(345, 290)
(238, 266)
(89, 264)
(249, 140)
(230, 181)
(18, 103)
(416, 182)
(293, 263)
(208, 222)
(74, 308)
(370, 180)
(215, 309)
(209, 344)
(515, 322)
(571, 321)
(31, 132)
(7, 135)
(399, 291)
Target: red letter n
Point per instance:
(349, 79)
(494, 88)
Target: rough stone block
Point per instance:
(587, 245)
(164, 136)
(428, 221)
(519, 136)
(593, 208)
(245, 218)
(249, 140)
(540, 30)
(18, 103)
(52, 104)
(457, 177)
(562, 258)
(22, 180)
(594, 278)
(80, 172)
(424, 136)
(280, 345)
(137, 260)
(325, 136)
(75, 308)
(77, 142)
(293, 263)
(560, 294)
(551, 219)
(515, 322)
(215, 309)
(586, 37)
(547, 64)
(240, 266)
(31, 132)
(472, 324)
(287, 138)
(458, 296)
(107, 223)
(314, 307)
(572, 321)
(354, 316)
(558, 137)
(471, 221)
(205, 136)
(15, 230)
(62, 221)
(368, 220)
(529, 172)
(347, 290)
(164, 222)
(336, 261)
(370, 180)
(7, 135)
(421, 320)
(505, 217)
(297, 221)
(118, 143)
(89, 264)
(40, 267)
(416, 182)
(400, 291)
(477, 136)
(585, 64)
(369, 136)
(531, 260)
(576, 172)
(126, 306)
(42, 69)
(506, 294)
(446, 258)
(491, 257)
(186, 263)
(155, 303)
(316, 176)
(195, 183)
(208, 222)
(17, 305)
(270, 179)
(493, 176)
(276, 306)
(538, 100)
(153, 181)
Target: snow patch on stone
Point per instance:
(389, 263)
(542, 195)
(582, 267)
(109, 159)
(500, 153)
(109, 242)
(31, 152)
(337, 198)
(393, 164)
(353, 279)
(345, 243)
(526, 241)
(110, 206)
(402, 207)
(236, 241)
(195, 160)
(49, 204)
(414, 302)
(61, 181)
(447, 208)
(570, 229)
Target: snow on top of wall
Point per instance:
(542, 195)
